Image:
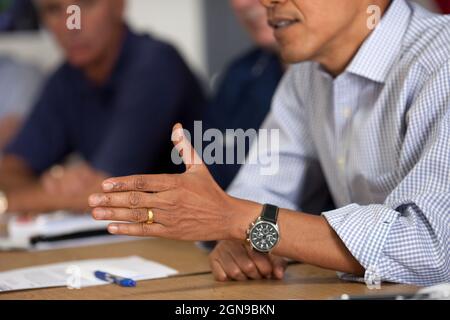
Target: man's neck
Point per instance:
(101, 69)
(341, 51)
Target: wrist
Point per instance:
(242, 214)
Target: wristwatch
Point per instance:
(3, 203)
(263, 234)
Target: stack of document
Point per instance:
(53, 224)
(80, 274)
(48, 228)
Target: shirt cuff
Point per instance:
(364, 231)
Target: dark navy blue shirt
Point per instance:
(121, 128)
(243, 100)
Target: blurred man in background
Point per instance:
(19, 86)
(113, 102)
(245, 92)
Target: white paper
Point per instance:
(53, 224)
(80, 274)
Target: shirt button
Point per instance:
(372, 278)
(341, 163)
(347, 112)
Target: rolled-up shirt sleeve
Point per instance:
(406, 239)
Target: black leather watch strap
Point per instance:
(270, 213)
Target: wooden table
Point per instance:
(301, 281)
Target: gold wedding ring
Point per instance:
(150, 216)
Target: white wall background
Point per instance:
(177, 21)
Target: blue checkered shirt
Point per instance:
(377, 139)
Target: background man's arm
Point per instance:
(15, 174)
(8, 128)
(26, 193)
(42, 142)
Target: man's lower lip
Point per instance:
(287, 25)
(280, 30)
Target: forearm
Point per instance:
(15, 174)
(303, 237)
(31, 199)
(34, 199)
(52, 193)
(311, 239)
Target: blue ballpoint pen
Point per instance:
(123, 282)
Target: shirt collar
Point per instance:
(381, 49)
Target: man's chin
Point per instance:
(78, 61)
(290, 56)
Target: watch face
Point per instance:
(264, 236)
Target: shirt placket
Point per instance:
(344, 106)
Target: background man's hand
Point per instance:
(63, 189)
(233, 260)
(71, 180)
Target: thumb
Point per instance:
(184, 147)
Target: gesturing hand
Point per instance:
(188, 206)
